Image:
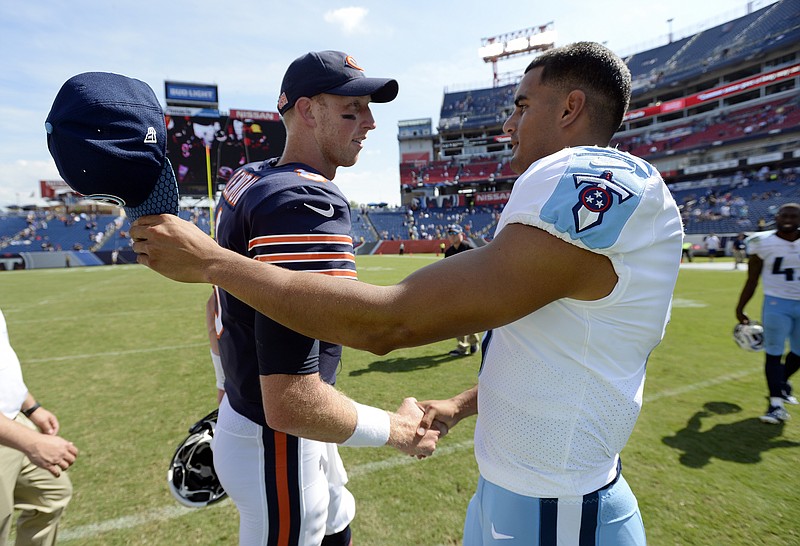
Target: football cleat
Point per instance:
(786, 394)
(775, 415)
(789, 399)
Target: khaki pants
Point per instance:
(465, 342)
(39, 495)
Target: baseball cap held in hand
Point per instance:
(108, 137)
(331, 72)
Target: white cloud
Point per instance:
(349, 19)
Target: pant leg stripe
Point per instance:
(548, 522)
(282, 490)
(591, 509)
(282, 487)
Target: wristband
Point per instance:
(219, 373)
(372, 427)
(28, 412)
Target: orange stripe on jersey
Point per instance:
(349, 273)
(282, 486)
(306, 257)
(340, 273)
(298, 239)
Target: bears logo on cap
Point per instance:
(351, 62)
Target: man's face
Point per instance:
(533, 124)
(343, 124)
(788, 219)
(453, 237)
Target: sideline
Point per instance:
(716, 265)
(165, 513)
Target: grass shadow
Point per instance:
(741, 441)
(404, 364)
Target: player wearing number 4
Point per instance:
(775, 258)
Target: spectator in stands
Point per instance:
(775, 257)
(711, 243)
(465, 344)
(575, 288)
(33, 458)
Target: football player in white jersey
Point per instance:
(590, 242)
(775, 258)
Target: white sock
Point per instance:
(776, 401)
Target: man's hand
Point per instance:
(405, 423)
(742, 318)
(173, 247)
(46, 421)
(53, 453)
(441, 414)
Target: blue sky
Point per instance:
(244, 47)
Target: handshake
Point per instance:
(417, 427)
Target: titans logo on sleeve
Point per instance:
(595, 197)
(595, 192)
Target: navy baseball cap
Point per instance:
(332, 72)
(453, 229)
(108, 137)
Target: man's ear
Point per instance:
(304, 111)
(574, 106)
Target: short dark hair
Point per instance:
(789, 206)
(595, 70)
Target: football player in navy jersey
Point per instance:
(280, 417)
(576, 288)
(775, 258)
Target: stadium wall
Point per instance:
(15, 261)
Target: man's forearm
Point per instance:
(14, 435)
(467, 402)
(358, 315)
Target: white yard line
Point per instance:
(118, 353)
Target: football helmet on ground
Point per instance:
(749, 337)
(191, 476)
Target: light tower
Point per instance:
(516, 43)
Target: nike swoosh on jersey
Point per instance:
(327, 213)
(499, 536)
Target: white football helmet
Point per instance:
(749, 337)
(191, 476)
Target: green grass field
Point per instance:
(120, 356)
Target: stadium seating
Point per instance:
(714, 128)
(723, 45)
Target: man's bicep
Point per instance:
(523, 269)
(286, 397)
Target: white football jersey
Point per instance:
(12, 388)
(560, 390)
(781, 273)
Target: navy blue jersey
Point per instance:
(293, 217)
